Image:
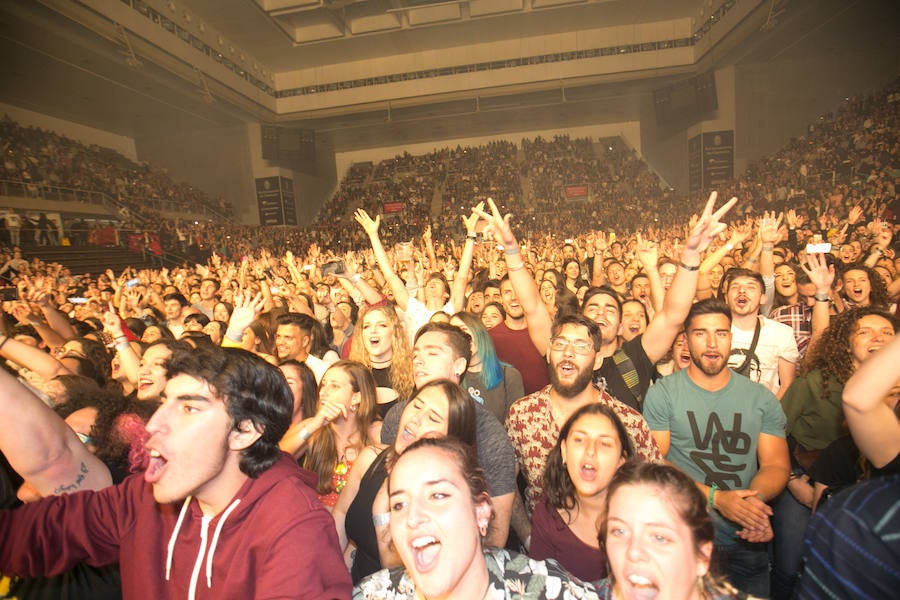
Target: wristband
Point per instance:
(472, 236)
(768, 247)
(518, 267)
(689, 267)
(822, 297)
(877, 250)
(381, 519)
(511, 251)
(729, 246)
(712, 495)
(354, 279)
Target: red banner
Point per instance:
(576, 192)
(392, 207)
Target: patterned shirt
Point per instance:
(534, 432)
(512, 577)
(799, 318)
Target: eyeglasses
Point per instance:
(559, 344)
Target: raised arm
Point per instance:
(458, 293)
(128, 358)
(873, 425)
(666, 323)
(41, 447)
(536, 315)
(35, 359)
(822, 276)
(648, 255)
(401, 296)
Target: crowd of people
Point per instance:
(36, 158)
(484, 409)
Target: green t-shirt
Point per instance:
(714, 435)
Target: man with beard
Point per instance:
(533, 422)
(727, 433)
(625, 370)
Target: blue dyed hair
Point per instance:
(491, 367)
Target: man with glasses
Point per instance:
(533, 422)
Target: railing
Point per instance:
(28, 189)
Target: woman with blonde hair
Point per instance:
(380, 342)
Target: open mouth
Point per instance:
(426, 551)
(156, 466)
(588, 472)
(567, 368)
(641, 588)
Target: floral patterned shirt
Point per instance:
(533, 432)
(512, 577)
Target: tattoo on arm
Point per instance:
(75, 485)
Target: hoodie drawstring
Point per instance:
(215, 541)
(171, 547)
(195, 575)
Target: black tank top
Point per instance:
(358, 522)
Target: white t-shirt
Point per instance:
(776, 340)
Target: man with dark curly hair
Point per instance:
(207, 517)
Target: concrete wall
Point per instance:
(216, 161)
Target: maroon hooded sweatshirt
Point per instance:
(275, 539)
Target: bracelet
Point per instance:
(729, 246)
(511, 251)
(822, 297)
(381, 519)
(877, 250)
(122, 337)
(3, 343)
(518, 267)
(304, 435)
(767, 247)
(712, 495)
(689, 267)
(752, 261)
(354, 279)
(472, 236)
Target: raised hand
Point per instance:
(369, 225)
(470, 221)
(819, 272)
(708, 225)
(246, 309)
(647, 252)
(497, 224)
(768, 227)
(855, 214)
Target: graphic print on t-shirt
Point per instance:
(716, 449)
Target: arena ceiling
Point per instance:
(74, 69)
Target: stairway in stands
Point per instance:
(87, 259)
